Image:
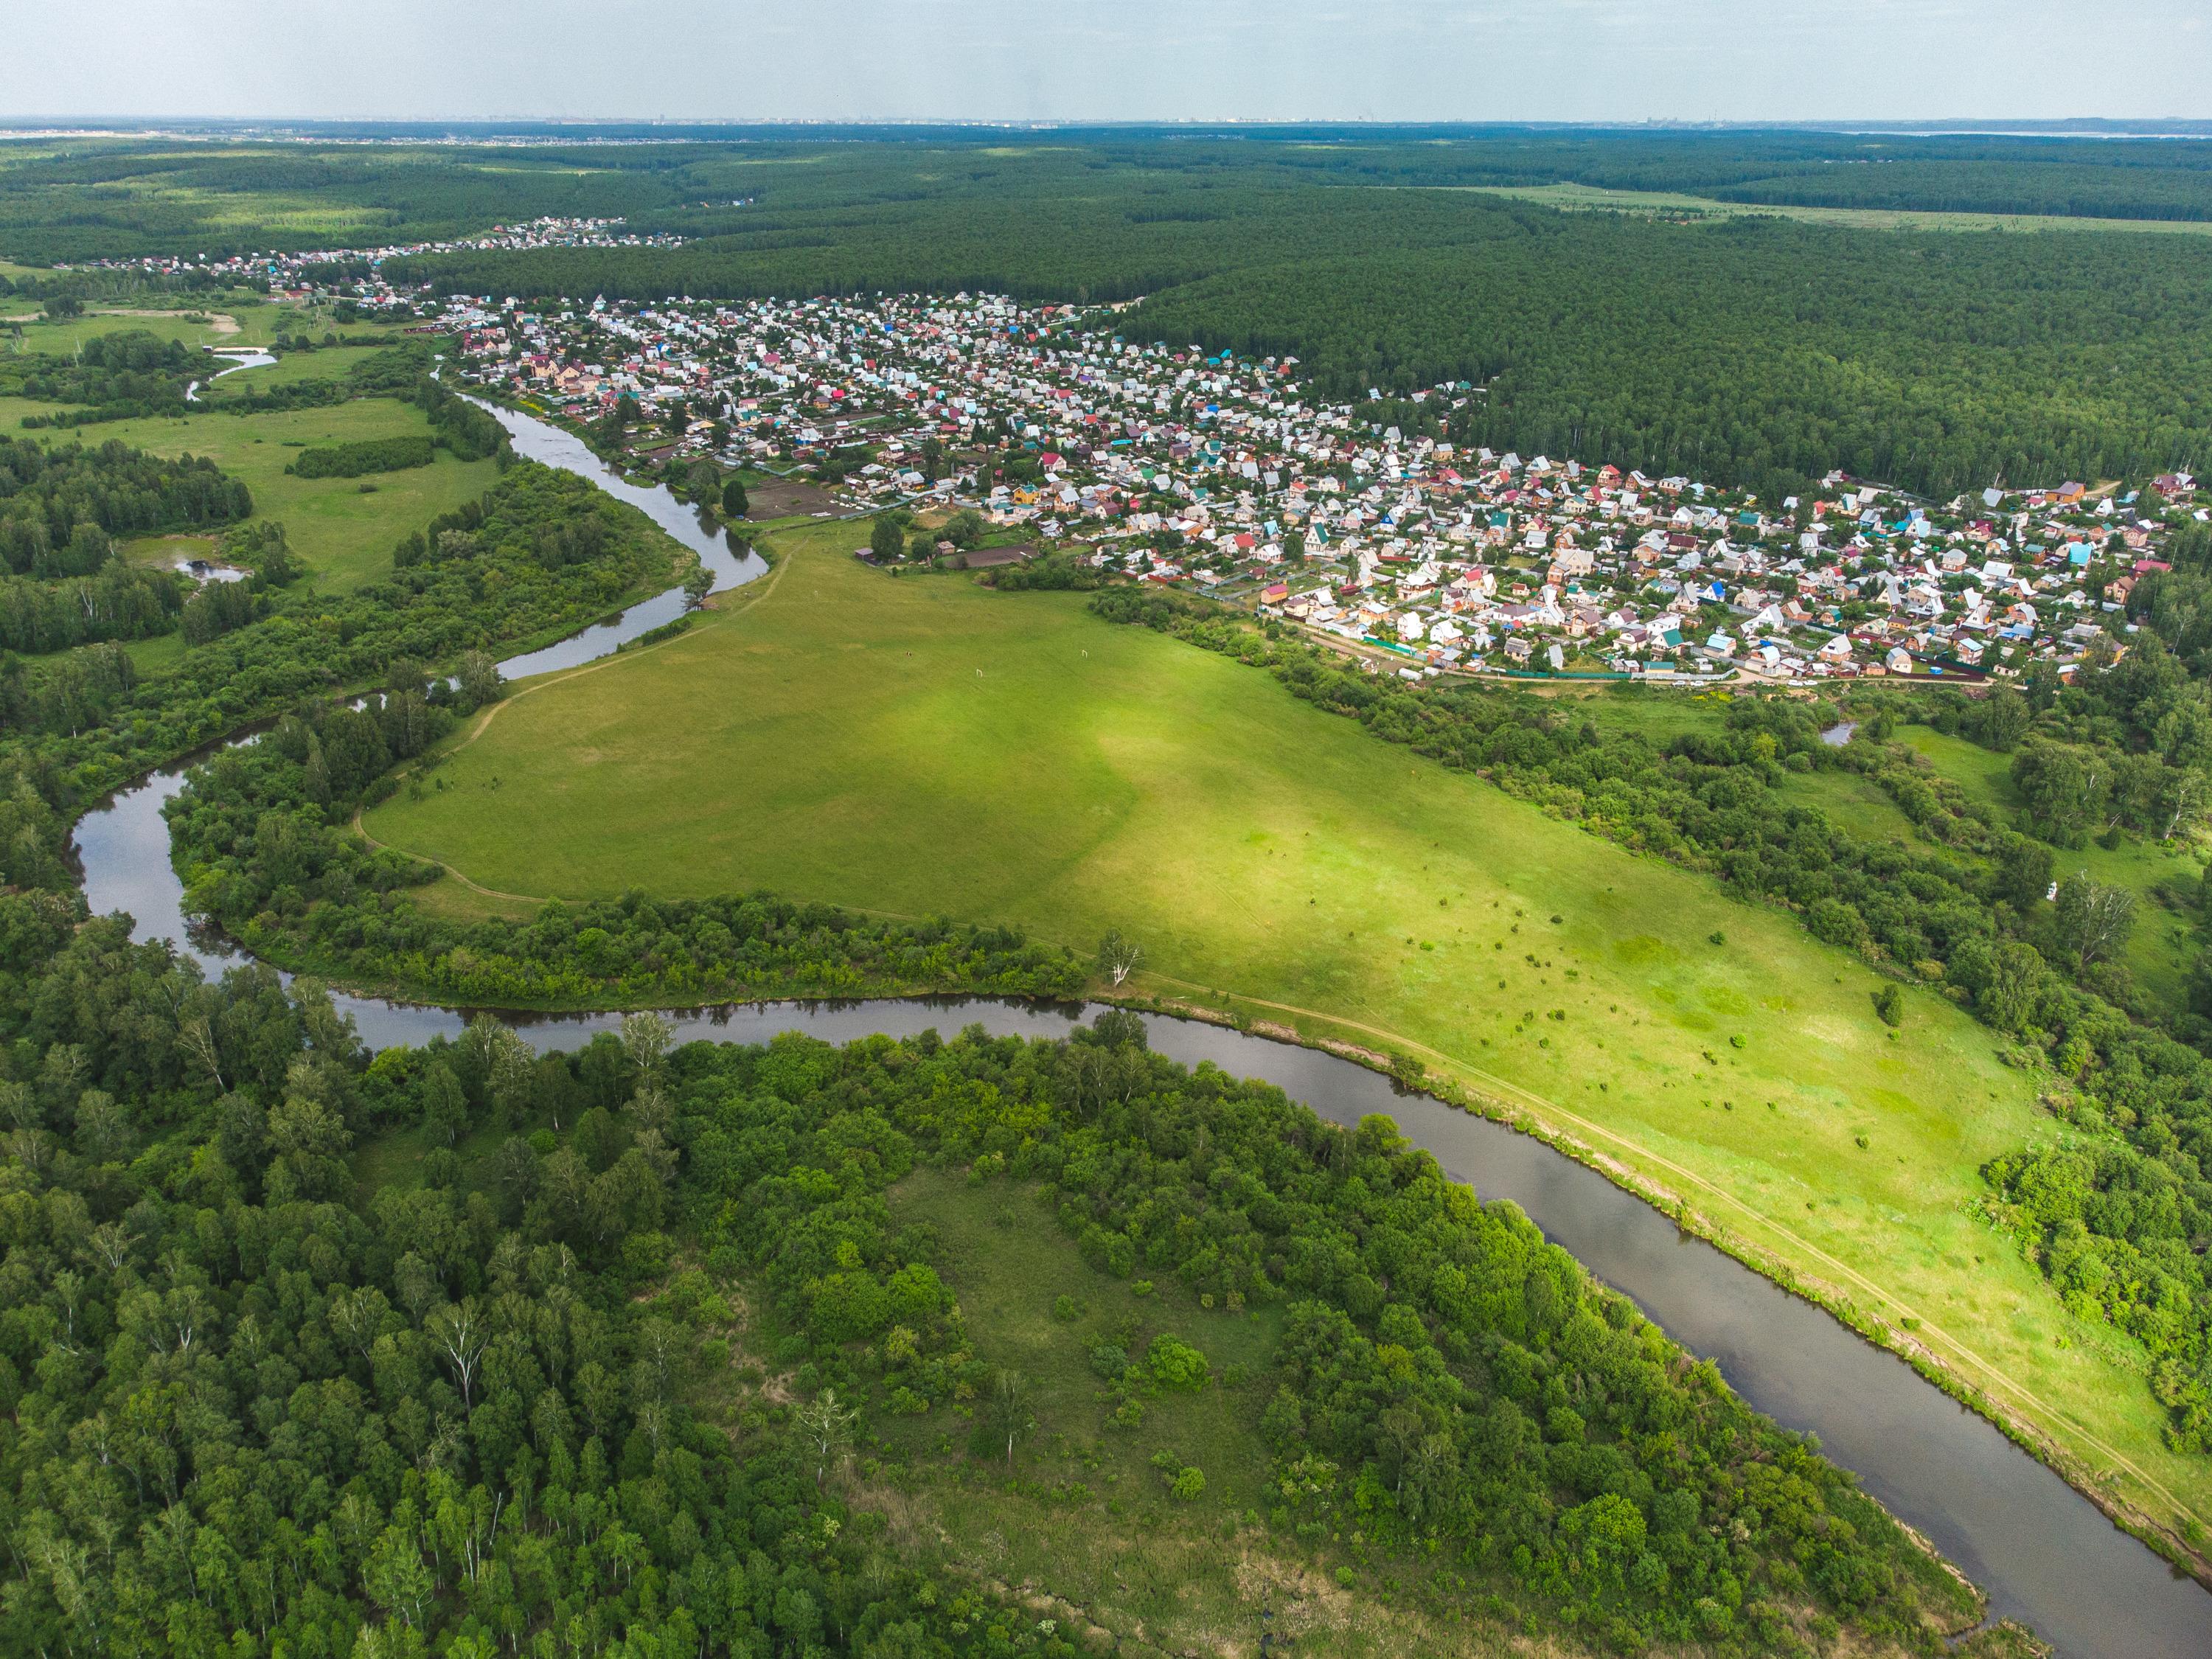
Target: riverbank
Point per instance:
(1492, 1100)
(1795, 1400)
(929, 747)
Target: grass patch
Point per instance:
(343, 533)
(1853, 803)
(2162, 950)
(62, 338)
(920, 745)
(330, 363)
(1009, 1262)
(1083, 1518)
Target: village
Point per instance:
(1047, 430)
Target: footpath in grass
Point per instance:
(922, 746)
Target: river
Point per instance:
(2043, 1553)
(239, 357)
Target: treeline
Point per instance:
(469, 433)
(59, 505)
(1964, 910)
(266, 828)
(122, 375)
(62, 580)
(1447, 1383)
(119, 602)
(485, 1404)
(352, 461)
(1760, 353)
(90, 202)
(267, 831)
(1755, 353)
(2119, 1221)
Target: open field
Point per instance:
(228, 324)
(343, 532)
(62, 338)
(923, 746)
(1670, 204)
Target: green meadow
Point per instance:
(923, 746)
(344, 529)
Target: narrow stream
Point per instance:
(238, 357)
(2043, 1553)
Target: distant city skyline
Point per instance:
(1106, 60)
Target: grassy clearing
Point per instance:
(330, 363)
(1082, 1518)
(345, 533)
(2162, 950)
(62, 339)
(918, 745)
(230, 323)
(1596, 198)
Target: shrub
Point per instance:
(1173, 1364)
(369, 455)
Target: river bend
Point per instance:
(2045, 1553)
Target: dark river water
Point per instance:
(2042, 1551)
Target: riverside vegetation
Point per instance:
(1653, 1508)
(1263, 845)
(2118, 1223)
(267, 1399)
(503, 1398)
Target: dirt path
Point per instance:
(222, 322)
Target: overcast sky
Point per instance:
(1382, 60)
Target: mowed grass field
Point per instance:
(343, 532)
(919, 745)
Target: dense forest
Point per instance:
(50, 495)
(1759, 352)
(129, 373)
(1755, 351)
(64, 580)
(1964, 910)
(261, 1403)
(256, 1407)
(104, 199)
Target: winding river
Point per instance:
(2043, 1552)
(238, 357)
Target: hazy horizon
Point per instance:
(1135, 61)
